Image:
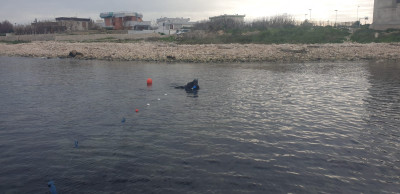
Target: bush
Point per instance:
(298, 34)
(363, 36)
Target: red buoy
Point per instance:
(149, 81)
(137, 110)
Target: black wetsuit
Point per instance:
(191, 86)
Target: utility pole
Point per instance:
(357, 16)
(336, 18)
(310, 13)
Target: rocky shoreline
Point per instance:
(166, 52)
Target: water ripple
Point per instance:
(258, 128)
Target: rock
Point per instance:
(75, 53)
(171, 57)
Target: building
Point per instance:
(74, 24)
(236, 18)
(62, 24)
(174, 24)
(125, 21)
(386, 14)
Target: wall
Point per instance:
(117, 22)
(75, 25)
(108, 22)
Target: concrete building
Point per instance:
(386, 14)
(125, 21)
(74, 24)
(237, 18)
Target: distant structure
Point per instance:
(62, 24)
(236, 18)
(125, 21)
(74, 24)
(386, 14)
(173, 24)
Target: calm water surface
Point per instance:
(252, 128)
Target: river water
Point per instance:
(252, 128)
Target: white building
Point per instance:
(172, 25)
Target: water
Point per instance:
(252, 128)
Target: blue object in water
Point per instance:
(194, 87)
(123, 120)
(76, 144)
(52, 187)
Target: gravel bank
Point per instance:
(156, 51)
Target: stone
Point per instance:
(75, 53)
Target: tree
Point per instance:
(6, 27)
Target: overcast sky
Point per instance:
(25, 11)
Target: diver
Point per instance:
(192, 86)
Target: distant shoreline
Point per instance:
(207, 53)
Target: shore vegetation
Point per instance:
(282, 29)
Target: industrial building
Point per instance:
(386, 14)
(125, 21)
(74, 24)
(236, 18)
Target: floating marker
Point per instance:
(148, 104)
(52, 187)
(149, 81)
(158, 99)
(165, 94)
(137, 110)
(123, 120)
(76, 144)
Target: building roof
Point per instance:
(72, 19)
(120, 14)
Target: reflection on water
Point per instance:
(383, 108)
(261, 128)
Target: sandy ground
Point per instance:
(156, 51)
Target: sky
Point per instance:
(25, 11)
